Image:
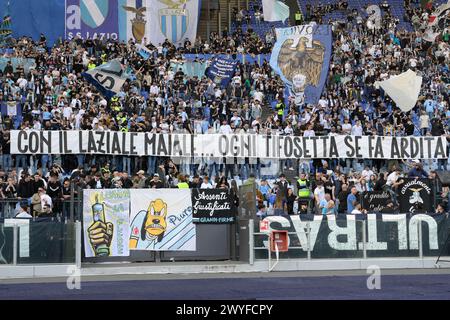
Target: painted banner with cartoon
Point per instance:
(301, 57)
(106, 222)
(161, 220)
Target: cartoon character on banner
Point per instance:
(100, 232)
(301, 64)
(415, 199)
(148, 226)
(374, 19)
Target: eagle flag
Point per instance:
(107, 78)
(301, 57)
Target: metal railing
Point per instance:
(24, 242)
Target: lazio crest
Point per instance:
(174, 19)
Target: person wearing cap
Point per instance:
(141, 179)
(155, 182)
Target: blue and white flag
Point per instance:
(301, 57)
(174, 20)
(143, 51)
(221, 71)
(107, 78)
(274, 10)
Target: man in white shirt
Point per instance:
(358, 209)
(258, 95)
(206, 184)
(346, 127)
(392, 182)
(357, 129)
(46, 201)
(366, 173)
(22, 82)
(319, 193)
(310, 132)
(23, 212)
(154, 89)
(67, 112)
(225, 128)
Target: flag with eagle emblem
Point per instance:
(301, 57)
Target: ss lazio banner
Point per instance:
(231, 145)
(301, 57)
(174, 20)
(213, 206)
(107, 19)
(221, 71)
(91, 19)
(415, 195)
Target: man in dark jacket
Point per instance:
(26, 187)
(342, 197)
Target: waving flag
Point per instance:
(107, 78)
(438, 16)
(404, 89)
(5, 27)
(274, 10)
(301, 56)
(221, 71)
(143, 51)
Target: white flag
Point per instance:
(274, 10)
(107, 78)
(404, 89)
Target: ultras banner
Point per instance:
(233, 145)
(343, 236)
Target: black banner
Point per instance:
(415, 195)
(213, 206)
(375, 201)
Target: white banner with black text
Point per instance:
(231, 145)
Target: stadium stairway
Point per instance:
(214, 16)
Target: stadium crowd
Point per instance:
(158, 98)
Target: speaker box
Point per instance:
(444, 177)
